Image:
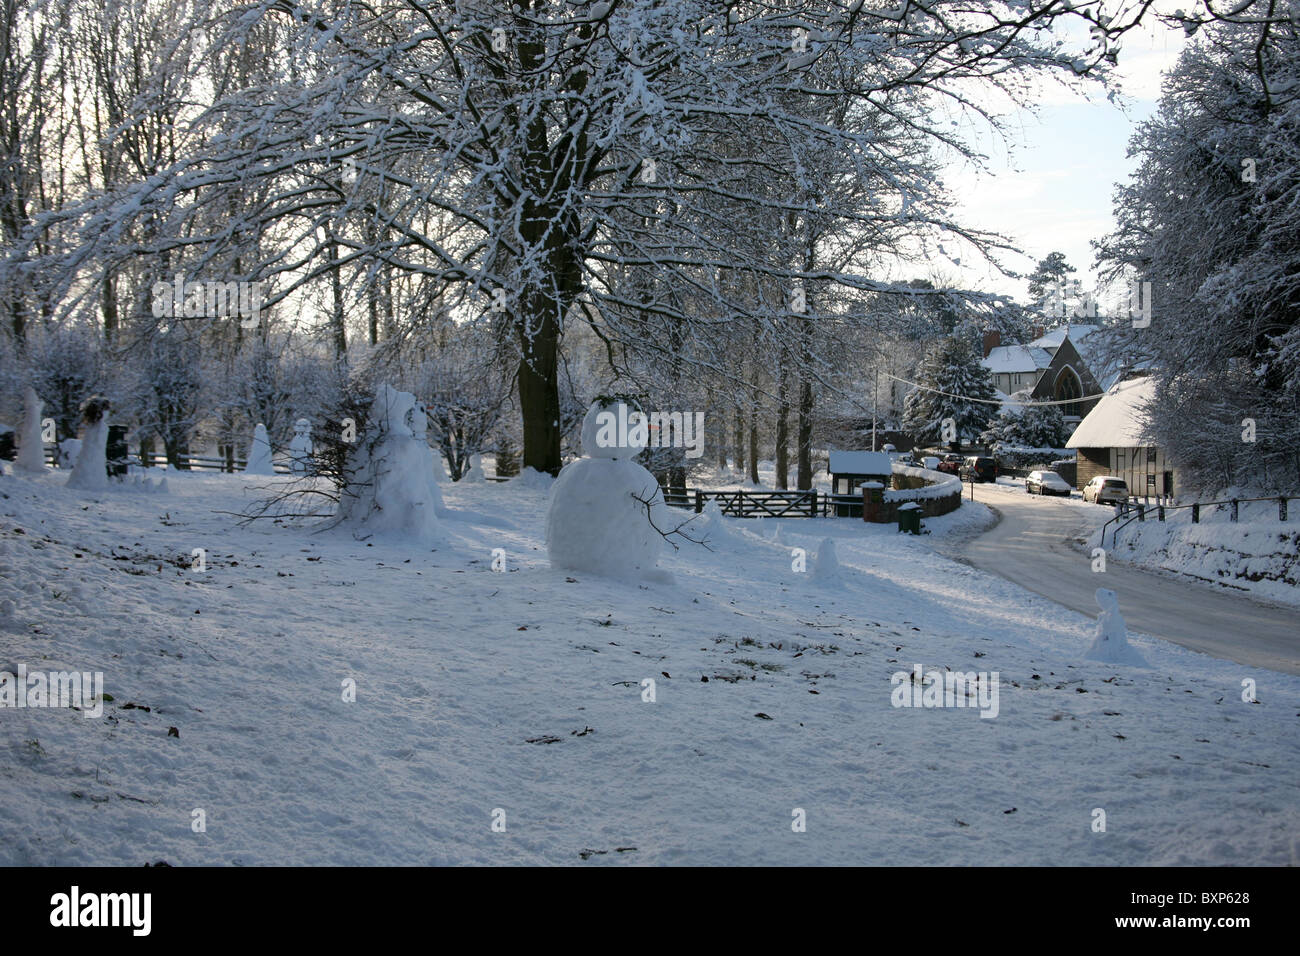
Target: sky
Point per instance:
(1053, 191)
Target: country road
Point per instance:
(1038, 545)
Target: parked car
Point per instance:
(1046, 483)
(930, 461)
(1106, 489)
(950, 464)
(978, 468)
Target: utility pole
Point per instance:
(875, 393)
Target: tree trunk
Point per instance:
(783, 423)
(803, 438)
(739, 441)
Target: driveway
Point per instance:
(1038, 544)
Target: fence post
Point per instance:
(1142, 512)
(1160, 512)
(1234, 509)
(699, 501)
(1196, 513)
(1281, 508)
(813, 512)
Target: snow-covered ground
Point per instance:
(1258, 553)
(522, 691)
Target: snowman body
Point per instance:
(259, 454)
(300, 449)
(607, 515)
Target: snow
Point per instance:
(826, 569)
(1052, 340)
(1016, 359)
(462, 674)
(1258, 553)
(614, 431)
(31, 449)
(1118, 418)
(607, 514)
(90, 472)
(69, 449)
(300, 448)
(259, 453)
(1111, 646)
(392, 489)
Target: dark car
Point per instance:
(980, 469)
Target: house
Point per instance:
(1015, 367)
(1055, 367)
(849, 469)
(1109, 441)
(1067, 378)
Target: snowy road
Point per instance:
(1038, 545)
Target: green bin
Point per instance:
(909, 518)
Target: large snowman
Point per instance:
(599, 520)
(391, 488)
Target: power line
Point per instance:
(994, 401)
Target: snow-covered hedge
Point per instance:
(937, 484)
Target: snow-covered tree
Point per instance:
(1033, 426)
(1209, 219)
(955, 387)
(528, 157)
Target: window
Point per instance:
(1151, 455)
(1067, 387)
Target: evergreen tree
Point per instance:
(956, 384)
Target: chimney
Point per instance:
(992, 339)
(1038, 333)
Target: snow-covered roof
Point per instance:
(859, 463)
(1053, 339)
(1010, 359)
(1119, 416)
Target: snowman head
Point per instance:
(302, 428)
(614, 427)
(1106, 600)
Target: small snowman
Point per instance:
(1111, 644)
(90, 469)
(475, 470)
(259, 453)
(300, 448)
(607, 514)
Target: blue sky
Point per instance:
(1053, 191)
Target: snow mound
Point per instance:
(533, 480)
(826, 569)
(715, 525)
(1111, 644)
(69, 449)
(259, 453)
(391, 489)
(300, 448)
(31, 450)
(90, 473)
(596, 524)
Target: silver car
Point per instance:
(1106, 490)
